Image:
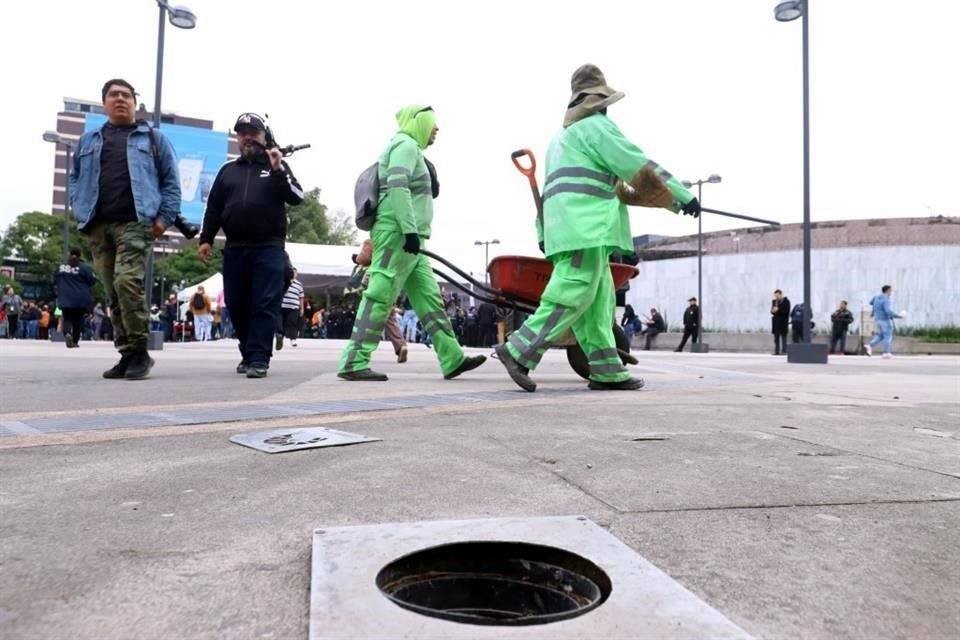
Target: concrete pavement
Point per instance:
(801, 501)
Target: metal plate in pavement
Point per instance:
(283, 440)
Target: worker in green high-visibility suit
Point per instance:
(583, 223)
(403, 222)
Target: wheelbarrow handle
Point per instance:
(529, 171)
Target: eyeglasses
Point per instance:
(119, 93)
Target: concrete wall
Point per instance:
(763, 343)
(737, 287)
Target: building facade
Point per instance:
(850, 260)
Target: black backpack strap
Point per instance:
(154, 147)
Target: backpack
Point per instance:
(366, 195)
(366, 192)
(796, 315)
(197, 302)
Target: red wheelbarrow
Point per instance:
(517, 282)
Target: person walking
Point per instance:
(883, 316)
(72, 283)
(691, 323)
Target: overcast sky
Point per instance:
(712, 87)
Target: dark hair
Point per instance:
(777, 291)
(110, 83)
(843, 302)
(75, 251)
(885, 288)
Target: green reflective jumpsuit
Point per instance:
(583, 223)
(406, 206)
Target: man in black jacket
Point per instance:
(841, 319)
(780, 321)
(248, 201)
(487, 324)
(72, 282)
(691, 323)
(655, 326)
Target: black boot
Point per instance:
(469, 364)
(119, 370)
(518, 373)
(363, 375)
(140, 365)
(630, 384)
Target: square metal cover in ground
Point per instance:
(290, 439)
(346, 604)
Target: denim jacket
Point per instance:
(882, 309)
(154, 196)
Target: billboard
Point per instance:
(200, 154)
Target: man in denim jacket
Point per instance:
(883, 316)
(124, 191)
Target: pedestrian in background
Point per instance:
(780, 321)
(883, 316)
(72, 283)
(840, 321)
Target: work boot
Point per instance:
(242, 367)
(139, 366)
(279, 342)
(630, 384)
(256, 372)
(68, 339)
(363, 375)
(468, 364)
(627, 358)
(119, 370)
(402, 354)
(517, 372)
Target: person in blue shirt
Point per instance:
(883, 315)
(72, 282)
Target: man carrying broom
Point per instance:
(592, 173)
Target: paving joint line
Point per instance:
(799, 505)
(869, 457)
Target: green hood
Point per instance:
(417, 121)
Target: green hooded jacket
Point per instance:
(580, 205)
(406, 201)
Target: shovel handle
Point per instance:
(529, 171)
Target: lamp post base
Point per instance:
(155, 343)
(807, 353)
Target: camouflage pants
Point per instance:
(120, 258)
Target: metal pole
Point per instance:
(486, 261)
(66, 209)
(699, 336)
(806, 172)
(148, 270)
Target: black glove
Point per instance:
(542, 249)
(692, 208)
(412, 243)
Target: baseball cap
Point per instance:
(250, 120)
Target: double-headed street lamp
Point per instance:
(486, 255)
(713, 179)
(787, 11)
(56, 138)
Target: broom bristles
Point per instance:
(646, 189)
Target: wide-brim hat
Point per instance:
(589, 94)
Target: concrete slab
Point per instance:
(644, 602)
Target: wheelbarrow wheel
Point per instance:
(578, 359)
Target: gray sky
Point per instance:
(711, 87)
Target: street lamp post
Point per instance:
(182, 18)
(486, 256)
(698, 345)
(807, 352)
(56, 138)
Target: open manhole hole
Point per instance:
(495, 583)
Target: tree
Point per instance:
(184, 268)
(310, 223)
(37, 238)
